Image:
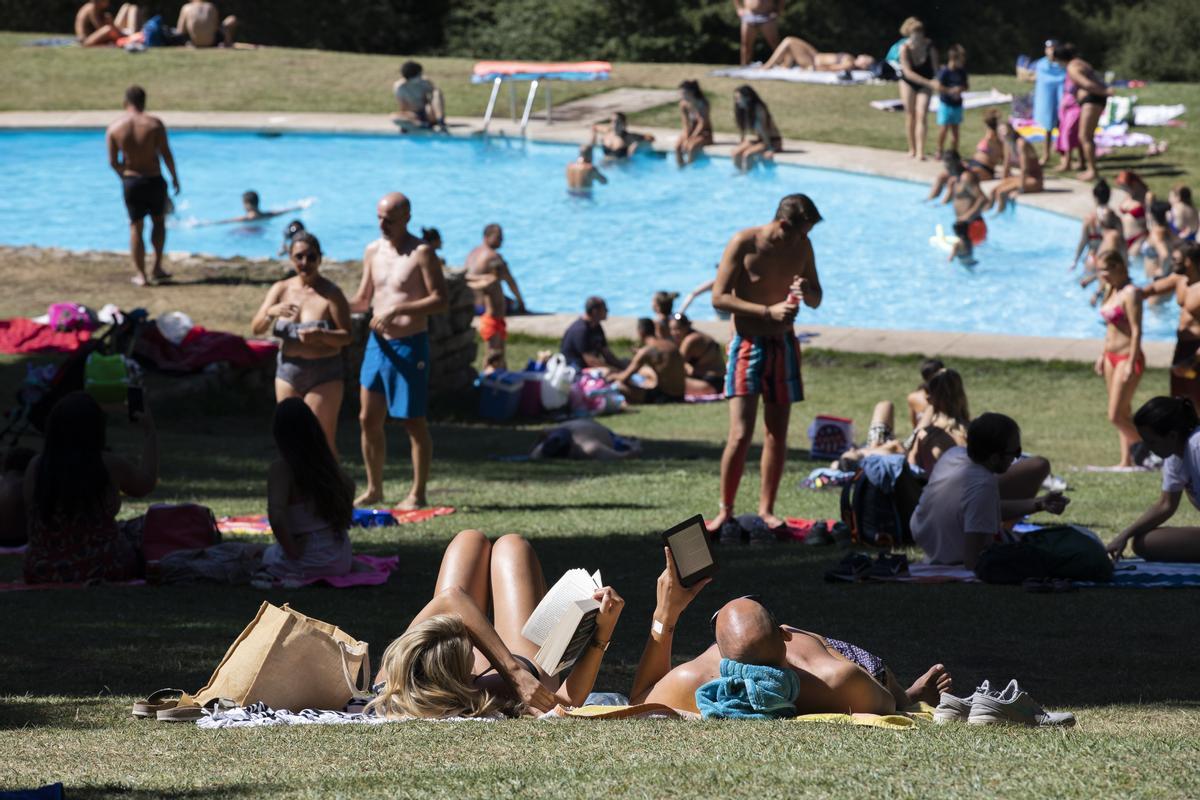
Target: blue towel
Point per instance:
(883, 470)
(749, 691)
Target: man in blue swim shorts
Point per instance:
(764, 276)
(403, 285)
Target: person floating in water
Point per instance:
(253, 213)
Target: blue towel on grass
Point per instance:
(749, 691)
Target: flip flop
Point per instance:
(161, 700)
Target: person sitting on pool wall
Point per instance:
(659, 356)
(758, 136)
(584, 344)
(809, 673)
(581, 172)
(419, 103)
(1170, 428)
(403, 285)
(973, 490)
(766, 272)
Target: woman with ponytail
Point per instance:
(1170, 428)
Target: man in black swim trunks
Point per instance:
(135, 144)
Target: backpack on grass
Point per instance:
(1059, 551)
(878, 516)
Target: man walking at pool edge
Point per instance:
(764, 275)
(403, 285)
(135, 142)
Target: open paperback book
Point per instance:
(565, 621)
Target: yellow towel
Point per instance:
(897, 722)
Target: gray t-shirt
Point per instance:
(961, 497)
(1182, 473)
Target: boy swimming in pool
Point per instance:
(254, 213)
(582, 172)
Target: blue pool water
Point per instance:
(654, 226)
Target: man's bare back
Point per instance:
(139, 139)
(702, 354)
(201, 21)
(663, 356)
(396, 277)
(829, 683)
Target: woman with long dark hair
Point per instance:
(1170, 428)
(310, 501)
(697, 123)
(73, 494)
(759, 136)
(311, 317)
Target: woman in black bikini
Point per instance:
(617, 141)
(918, 64)
(1092, 95)
(452, 661)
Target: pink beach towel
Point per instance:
(257, 524)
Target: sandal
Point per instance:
(161, 700)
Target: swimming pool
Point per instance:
(654, 226)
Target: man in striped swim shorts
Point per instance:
(765, 274)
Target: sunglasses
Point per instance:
(756, 598)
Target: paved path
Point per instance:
(1062, 196)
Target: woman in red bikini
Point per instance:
(1122, 362)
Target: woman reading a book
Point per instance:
(453, 661)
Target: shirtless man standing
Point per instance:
(582, 172)
(403, 285)
(764, 275)
(200, 21)
(135, 143)
(702, 357)
(486, 272)
(834, 676)
(662, 357)
(758, 16)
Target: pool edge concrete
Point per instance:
(1067, 197)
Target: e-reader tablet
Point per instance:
(692, 550)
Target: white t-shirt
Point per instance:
(961, 497)
(1182, 473)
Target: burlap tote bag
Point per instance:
(288, 660)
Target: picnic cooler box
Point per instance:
(500, 394)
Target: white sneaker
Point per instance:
(1014, 706)
(957, 709)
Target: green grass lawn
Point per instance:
(72, 661)
(279, 79)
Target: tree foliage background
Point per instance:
(1150, 39)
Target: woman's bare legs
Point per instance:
(1169, 544)
(325, 400)
(920, 129)
(1120, 410)
(907, 98)
(1089, 115)
(793, 52)
(465, 565)
(517, 587)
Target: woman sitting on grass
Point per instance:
(310, 501)
(759, 136)
(697, 122)
(943, 423)
(1019, 153)
(1170, 428)
(311, 316)
(1122, 362)
(452, 661)
(73, 494)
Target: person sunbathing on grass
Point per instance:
(453, 661)
(584, 438)
(795, 52)
(807, 672)
(1170, 428)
